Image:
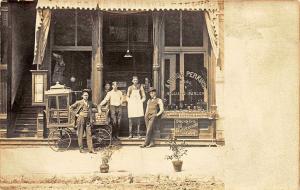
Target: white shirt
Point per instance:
(114, 98)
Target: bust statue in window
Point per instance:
(59, 68)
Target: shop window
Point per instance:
(185, 81)
(184, 28)
(118, 27)
(64, 28)
(72, 28)
(172, 28)
(84, 28)
(192, 29)
(77, 70)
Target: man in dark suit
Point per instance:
(83, 109)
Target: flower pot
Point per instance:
(104, 168)
(177, 165)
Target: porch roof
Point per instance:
(130, 5)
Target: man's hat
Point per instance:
(152, 89)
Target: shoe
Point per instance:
(130, 137)
(150, 145)
(92, 152)
(139, 137)
(81, 150)
(142, 146)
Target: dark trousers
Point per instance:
(138, 121)
(116, 115)
(150, 126)
(82, 126)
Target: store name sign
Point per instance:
(188, 74)
(186, 127)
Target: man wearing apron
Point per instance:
(135, 98)
(153, 105)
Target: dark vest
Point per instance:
(152, 106)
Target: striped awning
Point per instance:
(130, 5)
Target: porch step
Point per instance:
(33, 141)
(25, 133)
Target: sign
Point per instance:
(186, 127)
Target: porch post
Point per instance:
(157, 48)
(97, 58)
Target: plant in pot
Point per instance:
(106, 154)
(178, 151)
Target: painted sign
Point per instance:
(186, 127)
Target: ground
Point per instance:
(130, 168)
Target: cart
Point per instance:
(61, 121)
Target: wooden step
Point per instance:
(24, 133)
(25, 127)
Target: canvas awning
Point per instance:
(44, 8)
(129, 5)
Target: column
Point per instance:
(97, 58)
(158, 44)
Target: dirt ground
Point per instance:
(157, 182)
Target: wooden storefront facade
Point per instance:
(176, 45)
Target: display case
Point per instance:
(58, 100)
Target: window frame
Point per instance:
(182, 50)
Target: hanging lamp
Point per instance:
(127, 54)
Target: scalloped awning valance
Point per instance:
(129, 5)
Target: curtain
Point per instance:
(42, 26)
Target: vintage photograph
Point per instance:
(144, 94)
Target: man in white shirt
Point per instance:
(114, 97)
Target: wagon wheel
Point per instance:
(101, 138)
(59, 139)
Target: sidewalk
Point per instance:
(202, 163)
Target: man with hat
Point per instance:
(83, 109)
(153, 105)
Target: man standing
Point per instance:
(135, 98)
(83, 110)
(114, 97)
(151, 116)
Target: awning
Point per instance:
(130, 5)
(44, 7)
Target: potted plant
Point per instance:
(106, 154)
(178, 151)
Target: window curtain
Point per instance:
(42, 26)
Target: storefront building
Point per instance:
(176, 45)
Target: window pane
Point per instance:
(64, 28)
(84, 28)
(139, 28)
(52, 102)
(117, 28)
(172, 80)
(192, 28)
(195, 81)
(63, 102)
(172, 28)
